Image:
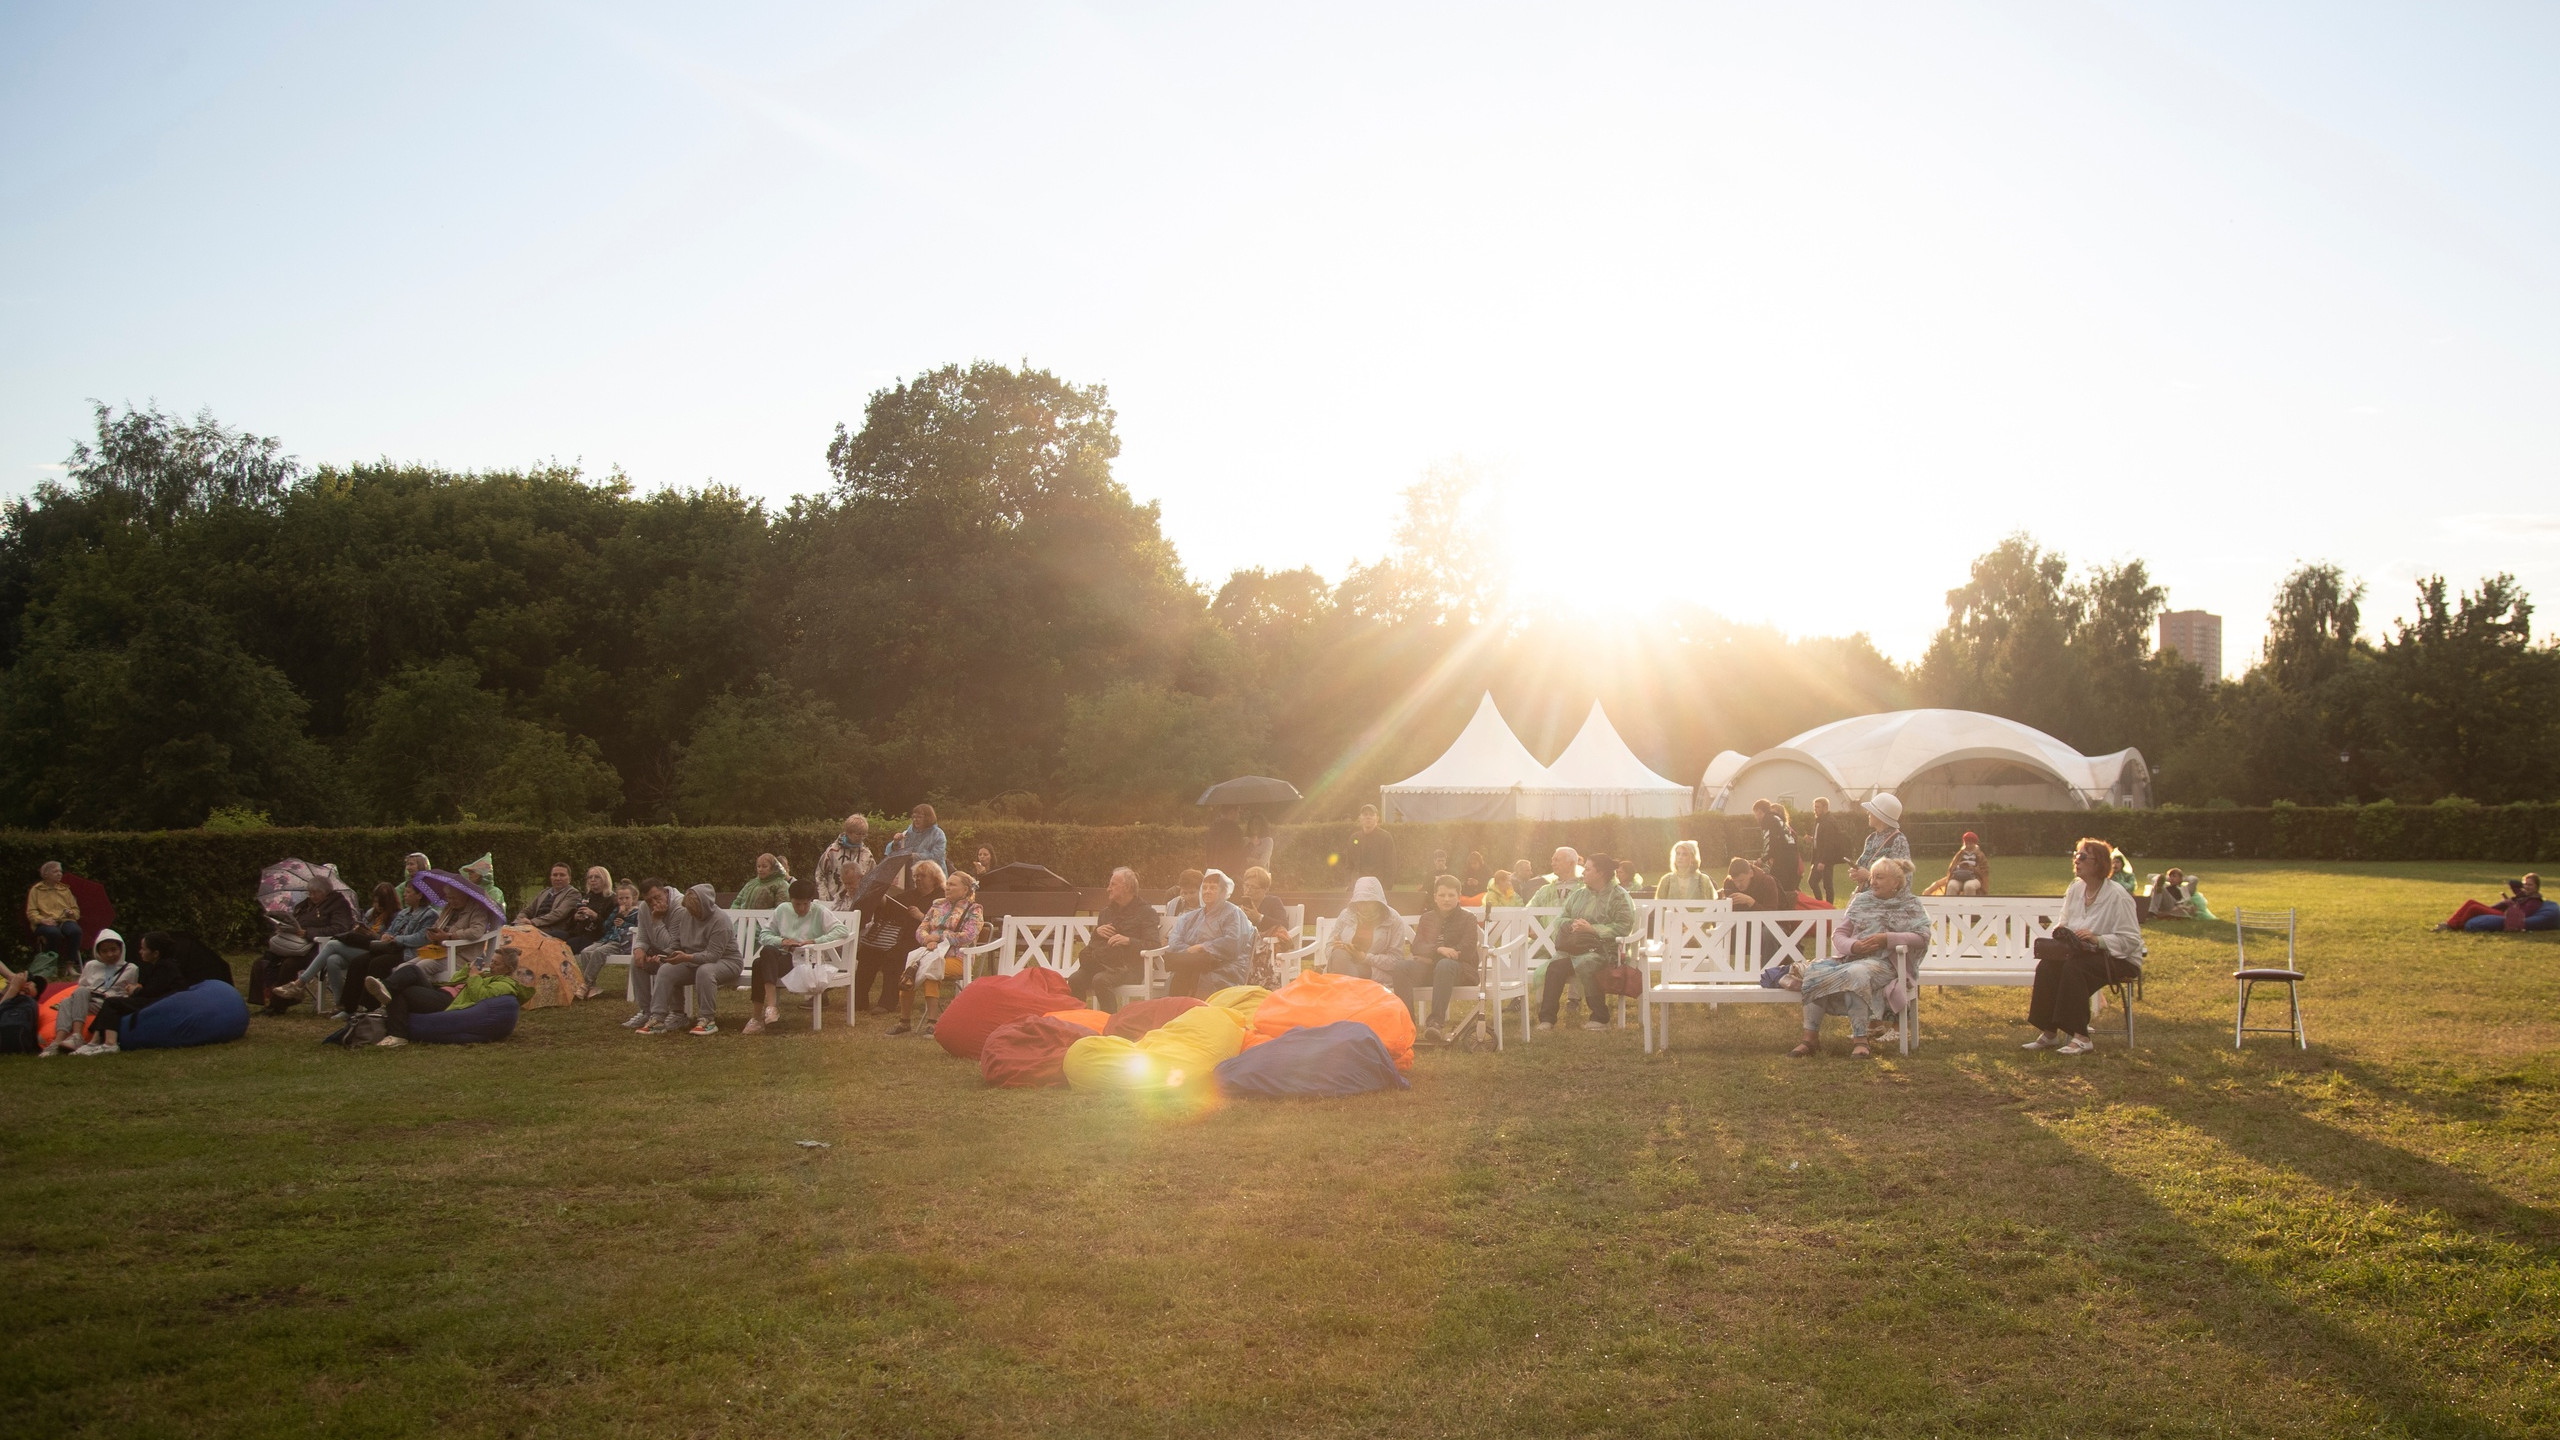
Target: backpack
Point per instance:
(366, 1027)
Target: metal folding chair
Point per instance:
(2268, 924)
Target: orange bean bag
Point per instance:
(1318, 998)
(1092, 1020)
(1032, 1051)
(1136, 1020)
(984, 1005)
(48, 1012)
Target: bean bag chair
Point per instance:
(1343, 1058)
(474, 1024)
(1320, 999)
(984, 1005)
(48, 1012)
(209, 1012)
(1092, 1020)
(1241, 1001)
(2546, 918)
(1032, 1051)
(1136, 1020)
(1185, 1050)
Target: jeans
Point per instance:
(62, 937)
(1439, 972)
(329, 964)
(411, 993)
(593, 959)
(1587, 968)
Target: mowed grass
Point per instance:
(581, 1232)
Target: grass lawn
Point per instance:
(581, 1232)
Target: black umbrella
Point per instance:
(1250, 790)
(888, 873)
(1021, 877)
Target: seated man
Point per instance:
(325, 912)
(53, 912)
(2169, 896)
(555, 910)
(1211, 945)
(1749, 887)
(1568, 870)
(683, 944)
(1123, 931)
(1597, 913)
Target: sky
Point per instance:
(1788, 311)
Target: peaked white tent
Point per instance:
(1479, 777)
(1598, 775)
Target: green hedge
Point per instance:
(204, 880)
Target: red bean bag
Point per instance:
(1135, 1021)
(983, 1005)
(1319, 998)
(1030, 1052)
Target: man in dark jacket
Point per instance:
(1124, 929)
(1371, 853)
(1825, 846)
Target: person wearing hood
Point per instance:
(690, 943)
(1590, 920)
(1210, 942)
(107, 975)
(1885, 840)
(768, 890)
(483, 872)
(555, 910)
(844, 862)
(1369, 938)
(171, 961)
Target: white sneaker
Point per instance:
(636, 1021)
(95, 1048)
(1594, 1025)
(389, 1042)
(2080, 1045)
(2040, 1043)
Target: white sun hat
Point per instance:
(1886, 807)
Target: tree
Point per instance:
(1143, 752)
(778, 753)
(1441, 572)
(437, 747)
(2006, 646)
(2466, 699)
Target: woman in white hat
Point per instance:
(1885, 840)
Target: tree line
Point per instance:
(196, 628)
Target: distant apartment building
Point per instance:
(2197, 635)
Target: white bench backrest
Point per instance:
(1757, 939)
(1536, 922)
(1987, 932)
(744, 923)
(1046, 940)
(1695, 945)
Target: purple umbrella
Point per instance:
(443, 887)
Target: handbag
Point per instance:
(364, 1028)
(1624, 980)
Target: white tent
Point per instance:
(1717, 784)
(1937, 760)
(1479, 777)
(1598, 775)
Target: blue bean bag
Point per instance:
(490, 1019)
(209, 1012)
(2546, 918)
(1343, 1058)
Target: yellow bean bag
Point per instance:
(1241, 1001)
(1181, 1052)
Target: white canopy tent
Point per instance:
(1936, 760)
(1598, 775)
(1479, 777)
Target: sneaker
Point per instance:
(1431, 1036)
(2079, 1045)
(341, 1017)
(754, 1026)
(96, 1048)
(705, 1026)
(2040, 1043)
(902, 1028)
(658, 1025)
(389, 1042)
(380, 992)
(1546, 1025)
(1594, 1025)
(288, 993)
(637, 1020)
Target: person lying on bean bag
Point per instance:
(2522, 909)
(172, 963)
(479, 1023)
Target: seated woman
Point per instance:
(1186, 894)
(431, 951)
(1684, 880)
(1473, 882)
(1858, 978)
(1969, 873)
(621, 922)
(1272, 932)
(1369, 937)
(401, 941)
(328, 967)
(1501, 893)
(1448, 951)
(595, 908)
(889, 921)
(107, 976)
(950, 925)
(1885, 840)
(2522, 909)
(2096, 943)
(1210, 947)
(794, 926)
(410, 991)
(768, 890)
(171, 961)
